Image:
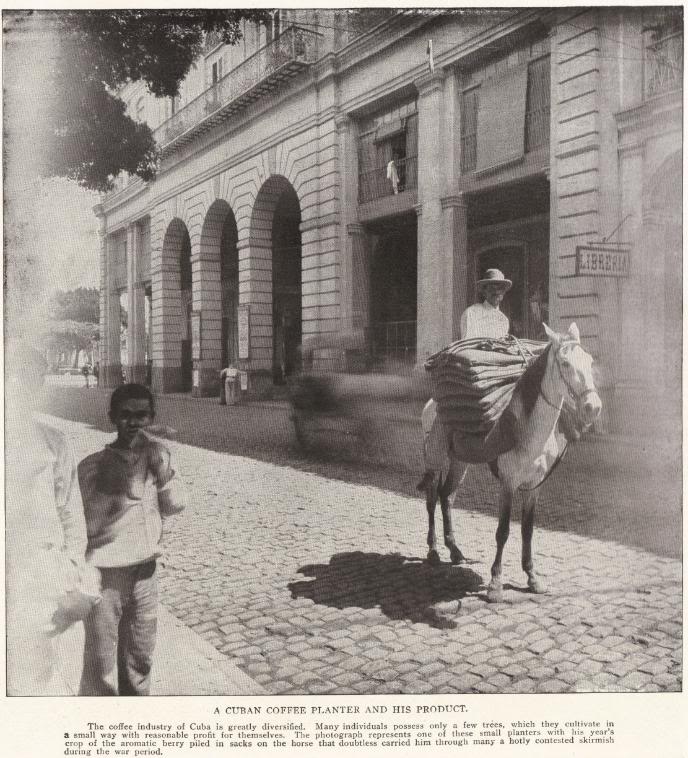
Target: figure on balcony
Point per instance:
(392, 175)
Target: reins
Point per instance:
(559, 459)
(557, 408)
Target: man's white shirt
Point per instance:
(483, 320)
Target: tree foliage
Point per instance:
(81, 304)
(93, 139)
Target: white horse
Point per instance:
(562, 373)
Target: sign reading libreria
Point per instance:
(603, 260)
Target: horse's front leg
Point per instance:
(535, 583)
(447, 493)
(431, 492)
(494, 590)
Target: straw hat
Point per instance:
(495, 276)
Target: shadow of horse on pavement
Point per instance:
(403, 588)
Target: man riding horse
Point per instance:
(482, 319)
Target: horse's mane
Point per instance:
(528, 385)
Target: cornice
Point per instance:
(656, 113)
(355, 229)
(219, 168)
(319, 222)
(379, 38)
(430, 82)
(454, 201)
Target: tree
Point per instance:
(83, 120)
(81, 304)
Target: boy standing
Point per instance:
(127, 489)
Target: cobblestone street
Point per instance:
(313, 585)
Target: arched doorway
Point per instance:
(185, 288)
(286, 285)
(171, 313)
(273, 283)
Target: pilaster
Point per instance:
(110, 371)
(136, 327)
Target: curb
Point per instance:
(186, 664)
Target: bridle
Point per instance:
(576, 397)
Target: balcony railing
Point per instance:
(375, 183)
(263, 72)
(664, 65)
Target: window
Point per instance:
(141, 109)
(663, 50)
(387, 153)
(505, 108)
(537, 104)
(216, 71)
(469, 129)
(272, 28)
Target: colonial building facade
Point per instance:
(331, 189)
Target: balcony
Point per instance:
(257, 76)
(375, 183)
(664, 65)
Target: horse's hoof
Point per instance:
(457, 556)
(434, 558)
(537, 586)
(495, 594)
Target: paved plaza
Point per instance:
(315, 585)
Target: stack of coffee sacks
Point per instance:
(473, 381)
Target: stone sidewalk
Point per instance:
(311, 585)
(184, 663)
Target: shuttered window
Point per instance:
(501, 118)
(537, 104)
(469, 128)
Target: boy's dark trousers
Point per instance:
(120, 633)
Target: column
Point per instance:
(207, 300)
(110, 370)
(442, 225)
(354, 306)
(455, 209)
(255, 293)
(136, 330)
(357, 245)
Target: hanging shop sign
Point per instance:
(603, 260)
(195, 335)
(243, 331)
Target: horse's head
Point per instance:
(575, 372)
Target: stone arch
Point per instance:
(216, 294)
(172, 289)
(270, 280)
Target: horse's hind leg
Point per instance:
(431, 492)
(448, 488)
(494, 590)
(535, 583)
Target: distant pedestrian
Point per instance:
(49, 586)
(86, 371)
(127, 489)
